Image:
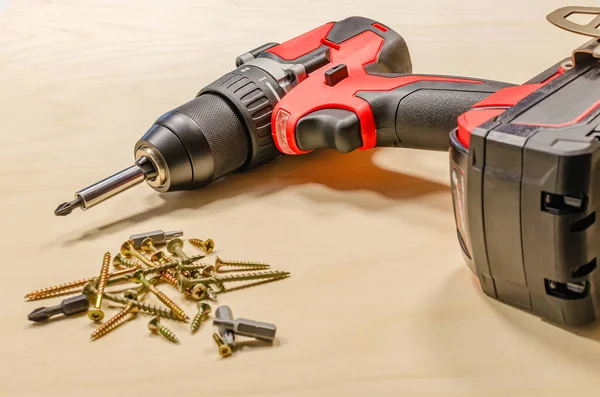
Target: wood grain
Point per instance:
(380, 302)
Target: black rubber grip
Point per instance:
(422, 114)
(425, 118)
(200, 141)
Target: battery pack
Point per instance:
(526, 193)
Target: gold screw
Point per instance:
(128, 249)
(175, 246)
(148, 247)
(144, 307)
(140, 293)
(224, 349)
(119, 261)
(96, 313)
(242, 265)
(204, 310)
(205, 245)
(156, 327)
(201, 291)
(116, 320)
(161, 296)
(71, 286)
(201, 268)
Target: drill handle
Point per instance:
(422, 114)
(417, 115)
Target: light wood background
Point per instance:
(380, 302)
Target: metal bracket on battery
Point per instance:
(591, 49)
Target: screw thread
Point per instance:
(51, 291)
(145, 307)
(242, 268)
(168, 302)
(53, 294)
(121, 261)
(113, 322)
(167, 333)
(141, 257)
(156, 269)
(142, 290)
(103, 274)
(169, 278)
(197, 322)
(252, 276)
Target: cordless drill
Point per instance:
(522, 160)
(345, 85)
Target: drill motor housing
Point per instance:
(525, 166)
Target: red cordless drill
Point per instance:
(344, 85)
(522, 160)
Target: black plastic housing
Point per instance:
(528, 190)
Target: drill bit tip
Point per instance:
(68, 207)
(39, 314)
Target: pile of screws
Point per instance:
(141, 261)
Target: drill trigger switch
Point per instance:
(337, 129)
(336, 74)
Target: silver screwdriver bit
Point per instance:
(158, 237)
(244, 327)
(224, 313)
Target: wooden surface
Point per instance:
(380, 302)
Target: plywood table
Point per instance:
(380, 302)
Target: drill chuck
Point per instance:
(227, 127)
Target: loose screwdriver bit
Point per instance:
(245, 327)
(224, 313)
(158, 237)
(68, 307)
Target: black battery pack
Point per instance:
(526, 193)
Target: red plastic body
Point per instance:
(313, 94)
(498, 103)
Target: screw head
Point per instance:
(153, 324)
(137, 276)
(95, 314)
(225, 350)
(147, 245)
(127, 248)
(204, 308)
(130, 294)
(210, 245)
(199, 292)
(158, 257)
(208, 271)
(118, 260)
(174, 245)
(89, 288)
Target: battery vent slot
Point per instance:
(583, 224)
(567, 291)
(584, 270)
(559, 205)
